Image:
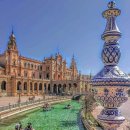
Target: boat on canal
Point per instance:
(69, 106)
(47, 107)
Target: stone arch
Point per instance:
(45, 87)
(64, 87)
(40, 86)
(70, 87)
(55, 89)
(59, 88)
(28, 65)
(49, 88)
(3, 86)
(31, 86)
(25, 86)
(18, 85)
(35, 87)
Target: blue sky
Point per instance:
(42, 27)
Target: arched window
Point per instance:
(25, 65)
(25, 85)
(49, 88)
(14, 62)
(41, 68)
(31, 86)
(40, 86)
(3, 86)
(18, 85)
(28, 65)
(40, 76)
(47, 76)
(35, 86)
(32, 66)
(45, 87)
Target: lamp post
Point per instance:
(110, 84)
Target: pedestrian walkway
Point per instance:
(5, 101)
(38, 103)
(125, 112)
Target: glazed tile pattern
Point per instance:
(111, 83)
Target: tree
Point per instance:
(89, 103)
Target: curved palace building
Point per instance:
(33, 77)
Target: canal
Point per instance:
(56, 119)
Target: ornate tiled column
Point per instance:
(110, 84)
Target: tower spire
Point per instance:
(12, 41)
(73, 63)
(12, 30)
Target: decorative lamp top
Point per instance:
(111, 4)
(111, 74)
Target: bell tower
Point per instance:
(12, 42)
(12, 56)
(73, 66)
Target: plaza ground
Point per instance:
(125, 110)
(4, 101)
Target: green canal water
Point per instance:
(56, 119)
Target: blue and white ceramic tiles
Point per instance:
(111, 83)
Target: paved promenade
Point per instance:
(125, 110)
(4, 101)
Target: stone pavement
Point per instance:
(4, 101)
(125, 110)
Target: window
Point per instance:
(28, 65)
(25, 74)
(14, 62)
(47, 68)
(32, 66)
(47, 76)
(35, 66)
(25, 65)
(40, 76)
(40, 67)
(33, 75)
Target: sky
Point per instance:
(44, 27)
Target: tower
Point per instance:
(73, 66)
(12, 56)
(12, 42)
(110, 84)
